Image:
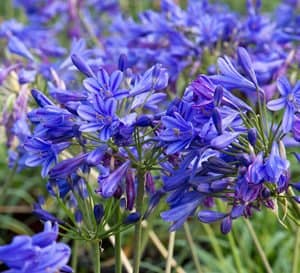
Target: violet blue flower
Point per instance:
(100, 116)
(37, 254)
(289, 100)
(44, 153)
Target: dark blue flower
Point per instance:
(98, 213)
(222, 141)
(132, 218)
(58, 187)
(44, 215)
(40, 98)
(226, 225)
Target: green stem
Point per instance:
(214, 242)
(259, 247)
(75, 255)
(190, 241)
(262, 119)
(236, 257)
(96, 255)
(138, 225)
(170, 252)
(118, 245)
(296, 252)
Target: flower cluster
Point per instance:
(108, 128)
(37, 254)
(228, 153)
(188, 41)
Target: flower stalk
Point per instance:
(96, 254)
(118, 245)
(138, 225)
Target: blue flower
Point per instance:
(40, 98)
(67, 166)
(178, 134)
(109, 184)
(82, 66)
(58, 187)
(37, 254)
(16, 46)
(98, 213)
(290, 100)
(154, 79)
(44, 153)
(231, 79)
(182, 209)
(256, 170)
(277, 168)
(106, 85)
(209, 216)
(100, 116)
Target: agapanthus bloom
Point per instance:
(220, 153)
(37, 254)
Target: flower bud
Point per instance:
(40, 98)
(252, 136)
(143, 121)
(132, 218)
(226, 225)
(81, 188)
(218, 95)
(122, 62)
(82, 66)
(237, 211)
(149, 183)
(98, 213)
(94, 157)
(209, 216)
(217, 119)
(72, 202)
(78, 217)
(130, 189)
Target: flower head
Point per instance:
(37, 254)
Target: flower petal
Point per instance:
(277, 104)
